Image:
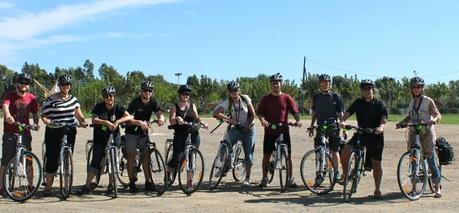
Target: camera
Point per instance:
(238, 126)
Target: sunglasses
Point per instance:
(233, 91)
(109, 96)
(147, 90)
(184, 93)
(416, 87)
(24, 82)
(367, 88)
(63, 85)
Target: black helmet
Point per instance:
(417, 81)
(276, 77)
(23, 78)
(108, 90)
(324, 77)
(64, 79)
(367, 83)
(233, 85)
(148, 85)
(184, 89)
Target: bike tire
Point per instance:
(122, 172)
(66, 175)
(218, 167)
(271, 169)
(309, 173)
(196, 166)
(239, 169)
(284, 169)
(158, 171)
(12, 181)
(173, 174)
(113, 171)
(407, 182)
(349, 177)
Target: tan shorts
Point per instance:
(427, 137)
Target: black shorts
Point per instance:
(373, 143)
(333, 138)
(53, 137)
(269, 142)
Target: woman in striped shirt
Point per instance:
(59, 110)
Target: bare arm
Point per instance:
(172, 117)
(7, 114)
(433, 110)
(219, 114)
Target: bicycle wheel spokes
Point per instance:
(239, 165)
(158, 171)
(349, 177)
(66, 175)
(218, 167)
(318, 177)
(191, 172)
(283, 170)
(22, 182)
(122, 172)
(412, 183)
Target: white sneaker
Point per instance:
(246, 182)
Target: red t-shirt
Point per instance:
(20, 108)
(275, 109)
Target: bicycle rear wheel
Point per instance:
(191, 171)
(22, 182)
(88, 163)
(283, 169)
(272, 168)
(66, 175)
(317, 180)
(113, 171)
(158, 171)
(122, 172)
(350, 176)
(218, 167)
(412, 184)
(239, 165)
(173, 174)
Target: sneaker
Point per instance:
(149, 187)
(318, 180)
(337, 176)
(189, 185)
(109, 190)
(2, 192)
(291, 183)
(246, 182)
(132, 187)
(46, 192)
(83, 191)
(263, 183)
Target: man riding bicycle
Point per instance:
(241, 116)
(141, 108)
(106, 117)
(17, 106)
(327, 107)
(371, 113)
(273, 109)
(422, 109)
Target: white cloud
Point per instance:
(31, 25)
(6, 5)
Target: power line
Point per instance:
(340, 69)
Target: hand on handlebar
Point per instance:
(311, 131)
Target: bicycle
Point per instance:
(320, 163)
(22, 170)
(65, 161)
(279, 159)
(192, 163)
(355, 167)
(157, 165)
(228, 158)
(411, 170)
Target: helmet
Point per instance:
(108, 90)
(324, 77)
(148, 85)
(276, 77)
(23, 78)
(184, 89)
(366, 82)
(417, 81)
(64, 79)
(233, 85)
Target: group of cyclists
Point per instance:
(63, 109)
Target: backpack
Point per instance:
(445, 151)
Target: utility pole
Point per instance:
(178, 77)
(302, 89)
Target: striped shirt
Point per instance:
(61, 111)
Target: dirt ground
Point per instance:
(232, 197)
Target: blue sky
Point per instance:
(228, 39)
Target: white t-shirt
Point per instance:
(239, 111)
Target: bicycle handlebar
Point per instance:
(25, 126)
(274, 126)
(359, 129)
(415, 124)
(189, 124)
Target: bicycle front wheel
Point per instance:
(122, 172)
(113, 171)
(317, 176)
(66, 175)
(172, 174)
(21, 179)
(350, 176)
(412, 183)
(239, 165)
(158, 171)
(191, 171)
(283, 169)
(218, 167)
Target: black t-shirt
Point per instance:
(101, 132)
(326, 107)
(142, 112)
(368, 114)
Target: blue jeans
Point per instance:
(248, 142)
(433, 166)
